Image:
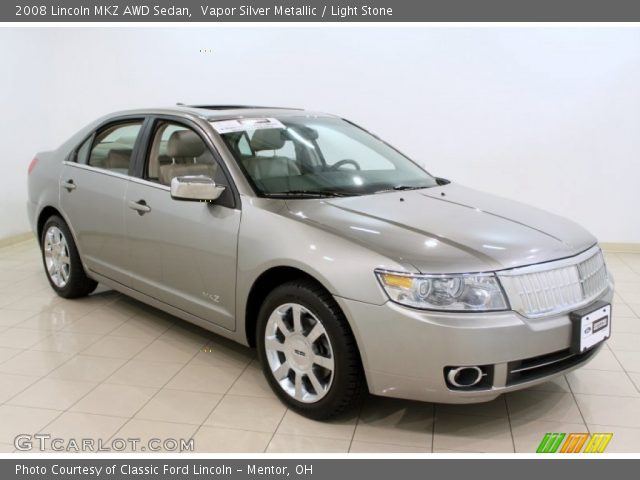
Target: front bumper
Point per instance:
(405, 351)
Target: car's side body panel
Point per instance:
(43, 186)
(183, 253)
(237, 336)
(95, 210)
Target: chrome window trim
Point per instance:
(103, 171)
(137, 180)
(148, 183)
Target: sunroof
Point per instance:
(231, 107)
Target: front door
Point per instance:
(181, 252)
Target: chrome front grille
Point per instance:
(556, 287)
(593, 275)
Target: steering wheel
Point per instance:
(346, 161)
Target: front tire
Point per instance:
(61, 260)
(307, 351)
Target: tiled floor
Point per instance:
(109, 367)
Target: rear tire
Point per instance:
(307, 351)
(61, 260)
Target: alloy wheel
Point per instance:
(56, 256)
(299, 352)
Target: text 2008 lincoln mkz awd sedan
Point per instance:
(345, 263)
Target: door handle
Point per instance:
(69, 185)
(140, 206)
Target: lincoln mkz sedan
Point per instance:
(346, 264)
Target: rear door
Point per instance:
(183, 252)
(93, 185)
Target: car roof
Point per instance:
(222, 112)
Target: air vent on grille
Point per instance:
(529, 369)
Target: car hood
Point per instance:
(447, 229)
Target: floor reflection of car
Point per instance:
(346, 264)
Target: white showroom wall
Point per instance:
(549, 116)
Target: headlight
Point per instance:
(463, 292)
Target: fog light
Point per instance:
(468, 377)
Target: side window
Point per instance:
(113, 146)
(83, 151)
(178, 151)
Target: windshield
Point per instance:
(317, 156)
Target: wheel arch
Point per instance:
(46, 213)
(263, 285)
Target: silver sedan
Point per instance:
(347, 265)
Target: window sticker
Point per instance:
(243, 124)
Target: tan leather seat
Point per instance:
(158, 157)
(168, 172)
(189, 156)
(184, 146)
(118, 159)
(269, 167)
(267, 139)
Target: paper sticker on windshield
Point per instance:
(242, 124)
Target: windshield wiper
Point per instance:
(400, 188)
(309, 194)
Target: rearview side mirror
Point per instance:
(442, 181)
(195, 188)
